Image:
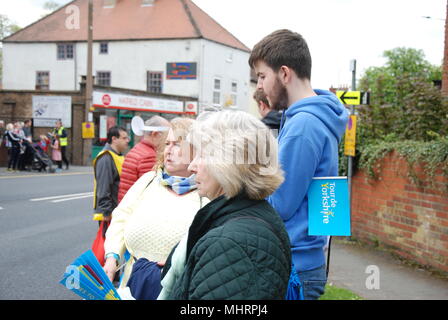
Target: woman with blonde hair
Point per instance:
(153, 216)
(237, 246)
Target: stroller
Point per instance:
(40, 160)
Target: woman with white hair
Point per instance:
(153, 216)
(237, 246)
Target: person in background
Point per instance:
(314, 123)
(270, 117)
(61, 132)
(142, 157)
(237, 246)
(107, 170)
(43, 143)
(56, 153)
(12, 143)
(27, 130)
(153, 216)
(18, 130)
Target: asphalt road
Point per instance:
(45, 223)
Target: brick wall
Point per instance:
(411, 220)
(17, 105)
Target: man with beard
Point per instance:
(312, 126)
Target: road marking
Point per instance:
(45, 175)
(73, 198)
(85, 194)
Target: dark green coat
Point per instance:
(236, 249)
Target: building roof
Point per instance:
(128, 20)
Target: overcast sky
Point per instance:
(337, 31)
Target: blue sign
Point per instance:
(181, 70)
(329, 207)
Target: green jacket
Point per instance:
(236, 249)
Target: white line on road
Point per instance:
(63, 196)
(73, 198)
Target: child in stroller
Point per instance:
(41, 160)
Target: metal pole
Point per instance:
(352, 111)
(89, 82)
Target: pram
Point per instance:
(41, 161)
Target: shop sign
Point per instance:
(137, 103)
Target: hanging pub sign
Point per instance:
(181, 70)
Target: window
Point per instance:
(234, 92)
(104, 48)
(65, 51)
(154, 82)
(217, 91)
(103, 78)
(42, 80)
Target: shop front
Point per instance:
(115, 108)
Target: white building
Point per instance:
(159, 46)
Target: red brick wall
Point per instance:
(412, 220)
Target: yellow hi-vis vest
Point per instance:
(118, 161)
(63, 141)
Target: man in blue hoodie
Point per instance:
(311, 129)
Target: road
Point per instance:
(45, 223)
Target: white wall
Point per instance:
(229, 65)
(128, 62)
(22, 60)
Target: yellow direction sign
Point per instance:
(349, 97)
(354, 97)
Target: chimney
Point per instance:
(109, 3)
(148, 3)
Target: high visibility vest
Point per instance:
(118, 161)
(63, 141)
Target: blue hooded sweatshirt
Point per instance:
(308, 147)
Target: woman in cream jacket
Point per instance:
(157, 210)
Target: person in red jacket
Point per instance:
(142, 157)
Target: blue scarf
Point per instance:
(180, 185)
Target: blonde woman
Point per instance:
(237, 246)
(153, 216)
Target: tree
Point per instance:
(50, 6)
(405, 104)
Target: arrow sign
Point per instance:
(349, 97)
(354, 97)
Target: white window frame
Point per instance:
(98, 78)
(102, 46)
(234, 94)
(39, 80)
(64, 51)
(217, 91)
(152, 82)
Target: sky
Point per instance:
(337, 31)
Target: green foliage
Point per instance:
(407, 114)
(432, 155)
(7, 27)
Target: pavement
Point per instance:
(353, 266)
(371, 273)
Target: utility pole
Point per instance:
(352, 112)
(87, 145)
